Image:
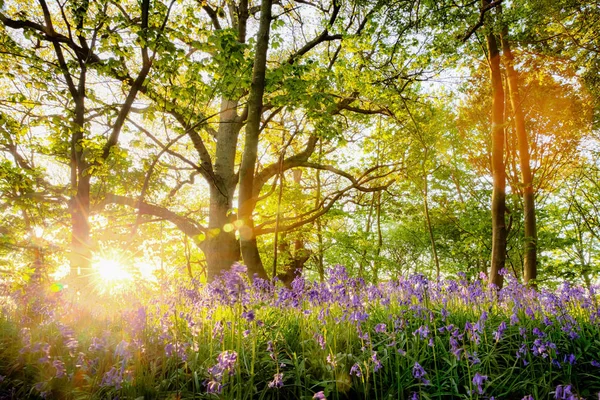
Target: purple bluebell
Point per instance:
(277, 381)
(500, 331)
(478, 380)
(419, 373)
(355, 370)
(319, 396)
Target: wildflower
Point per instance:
(214, 387)
(121, 350)
(514, 319)
(320, 396)
(380, 328)
(355, 370)
(114, 378)
(377, 364)
(536, 331)
(331, 360)
(595, 364)
(248, 315)
(571, 359)
(528, 397)
(59, 366)
(321, 341)
(529, 312)
(478, 380)
(423, 332)
(270, 349)
(419, 373)
(239, 268)
(277, 381)
(455, 348)
(473, 358)
(226, 361)
(500, 331)
(564, 393)
(169, 349)
(97, 344)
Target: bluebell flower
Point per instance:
(419, 373)
(500, 331)
(59, 366)
(355, 370)
(478, 380)
(319, 396)
(277, 381)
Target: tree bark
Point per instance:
(498, 259)
(434, 253)
(222, 248)
(320, 247)
(247, 169)
(81, 253)
(379, 240)
(530, 262)
(363, 258)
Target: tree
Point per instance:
(72, 58)
(498, 168)
(293, 84)
(530, 262)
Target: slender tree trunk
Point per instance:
(498, 170)
(247, 169)
(379, 240)
(429, 226)
(320, 265)
(363, 258)
(279, 199)
(530, 264)
(81, 253)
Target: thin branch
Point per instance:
(481, 19)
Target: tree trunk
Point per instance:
(379, 240)
(247, 168)
(363, 258)
(222, 248)
(530, 263)
(81, 252)
(498, 258)
(428, 223)
(320, 249)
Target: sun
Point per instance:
(112, 270)
(112, 274)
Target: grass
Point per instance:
(406, 339)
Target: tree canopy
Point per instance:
(183, 136)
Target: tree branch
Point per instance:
(481, 19)
(185, 224)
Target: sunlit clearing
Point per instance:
(112, 275)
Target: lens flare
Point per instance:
(112, 274)
(112, 271)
